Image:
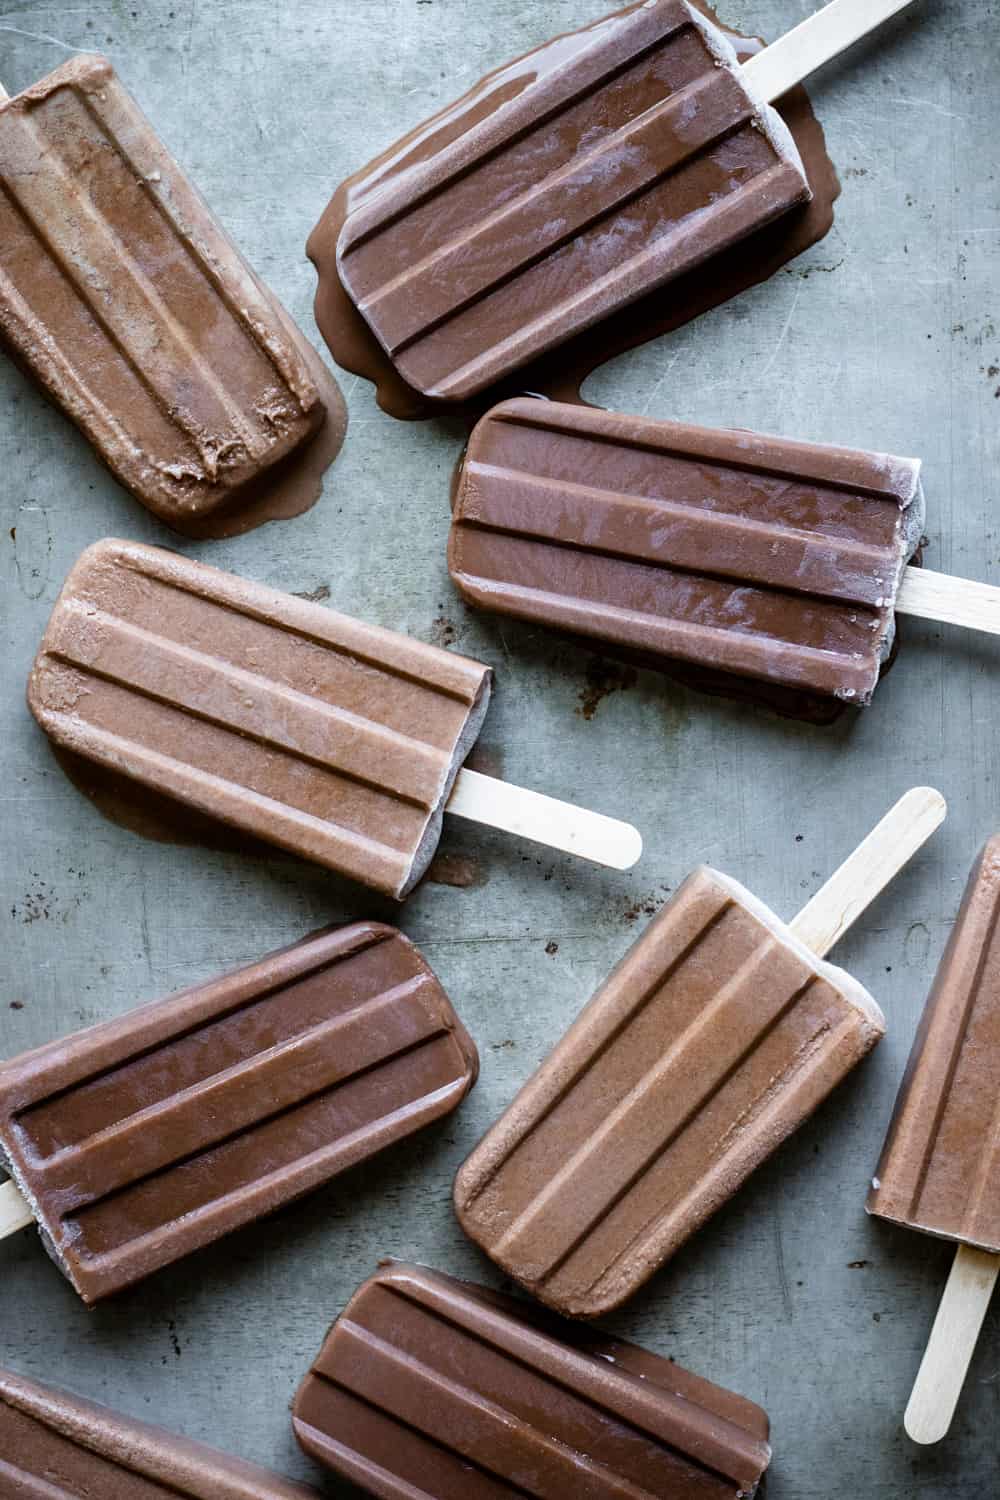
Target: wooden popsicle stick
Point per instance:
(544, 820)
(951, 1345)
(953, 601)
(815, 41)
(14, 1211)
(866, 872)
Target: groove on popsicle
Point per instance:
(513, 126)
(200, 1112)
(500, 500)
(128, 655)
(455, 1417)
(92, 1226)
(334, 739)
(635, 531)
(565, 1212)
(398, 655)
(713, 1039)
(220, 1105)
(86, 1175)
(202, 1017)
(460, 273)
(566, 171)
(772, 457)
(192, 435)
(637, 1434)
(556, 296)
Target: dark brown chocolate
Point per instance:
(144, 1138)
(428, 1388)
(758, 556)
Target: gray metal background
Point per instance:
(884, 335)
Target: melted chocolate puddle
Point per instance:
(561, 373)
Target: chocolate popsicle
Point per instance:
(427, 1388)
(643, 152)
(122, 296)
(756, 556)
(141, 1139)
(717, 1035)
(940, 1166)
(338, 741)
(779, 562)
(58, 1446)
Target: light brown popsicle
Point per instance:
(122, 296)
(940, 1167)
(339, 741)
(718, 1033)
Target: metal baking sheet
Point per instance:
(885, 335)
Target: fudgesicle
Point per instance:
(123, 297)
(427, 1388)
(334, 739)
(641, 151)
(717, 1034)
(940, 1167)
(57, 1446)
(754, 556)
(147, 1137)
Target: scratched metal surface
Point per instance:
(885, 335)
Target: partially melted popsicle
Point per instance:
(58, 1446)
(715, 1037)
(144, 1138)
(940, 1166)
(427, 1388)
(645, 152)
(758, 557)
(125, 300)
(336, 740)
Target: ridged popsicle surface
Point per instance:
(121, 294)
(147, 1137)
(58, 1446)
(751, 555)
(713, 1039)
(940, 1166)
(336, 740)
(636, 156)
(430, 1387)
